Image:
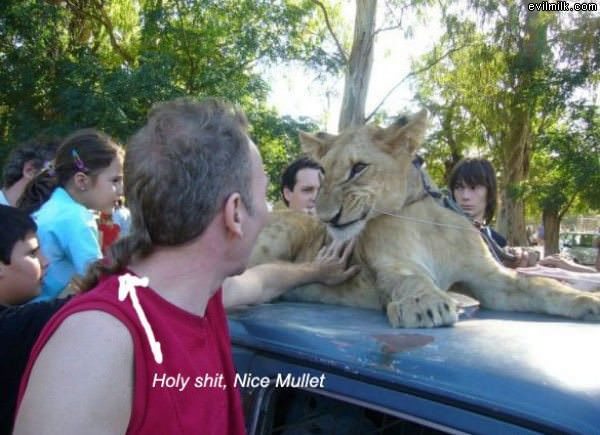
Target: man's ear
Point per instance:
(3, 268)
(29, 170)
(232, 213)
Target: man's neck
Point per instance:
(185, 276)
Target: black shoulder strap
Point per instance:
(433, 192)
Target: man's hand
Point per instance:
(558, 261)
(331, 263)
(265, 282)
(555, 261)
(522, 258)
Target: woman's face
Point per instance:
(472, 199)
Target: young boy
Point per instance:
(21, 269)
(21, 263)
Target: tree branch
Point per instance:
(331, 32)
(412, 74)
(104, 20)
(191, 88)
(393, 27)
(385, 29)
(567, 207)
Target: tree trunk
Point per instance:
(511, 219)
(551, 221)
(358, 72)
(448, 116)
(515, 144)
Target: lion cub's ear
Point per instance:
(406, 132)
(316, 145)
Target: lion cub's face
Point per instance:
(366, 172)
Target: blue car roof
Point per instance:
(538, 368)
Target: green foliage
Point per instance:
(501, 86)
(278, 143)
(71, 64)
(566, 168)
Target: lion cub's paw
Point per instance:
(423, 311)
(586, 307)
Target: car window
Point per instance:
(586, 240)
(578, 240)
(290, 411)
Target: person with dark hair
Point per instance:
(21, 262)
(155, 308)
(473, 186)
(86, 177)
(21, 267)
(300, 183)
(23, 164)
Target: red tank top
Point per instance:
(194, 348)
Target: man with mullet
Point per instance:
(120, 357)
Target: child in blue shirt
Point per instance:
(88, 177)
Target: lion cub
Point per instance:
(411, 250)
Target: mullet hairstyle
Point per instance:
(476, 172)
(179, 170)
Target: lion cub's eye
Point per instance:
(357, 168)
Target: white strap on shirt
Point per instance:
(127, 285)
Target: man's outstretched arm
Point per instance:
(265, 282)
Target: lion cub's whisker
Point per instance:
(423, 221)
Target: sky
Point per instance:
(296, 92)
